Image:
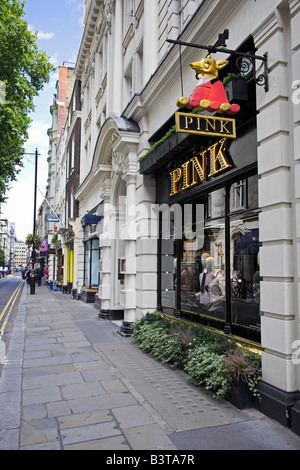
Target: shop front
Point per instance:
(91, 278)
(213, 277)
(207, 198)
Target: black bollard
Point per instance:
(32, 281)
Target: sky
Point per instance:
(59, 26)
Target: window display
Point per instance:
(168, 273)
(91, 260)
(202, 272)
(193, 271)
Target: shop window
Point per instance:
(86, 263)
(168, 259)
(95, 262)
(215, 204)
(213, 277)
(202, 270)
(245, 262)
(245, 280)
(238, 195)
(192, 268)
(91, 260)
(169, 281)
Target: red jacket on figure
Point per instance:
(210, 94)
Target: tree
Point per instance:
(2, 258)
(24, 70)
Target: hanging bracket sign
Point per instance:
(205, 125)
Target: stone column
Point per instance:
(278, 253)
(117, 59)
(80, 258)
(146, 249)
(150, 38)
(130, 255)
(105, 242)
(126, 145)
(110, 60)
(295, 99)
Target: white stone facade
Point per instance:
(130, 82)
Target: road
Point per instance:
(10, 293)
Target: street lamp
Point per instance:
(17, 166)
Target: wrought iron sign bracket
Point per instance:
(245, 61)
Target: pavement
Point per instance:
(70, 382)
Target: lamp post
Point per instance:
(33, 255)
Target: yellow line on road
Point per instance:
(12, 301)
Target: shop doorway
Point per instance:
(118, 247)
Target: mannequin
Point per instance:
(205, 279)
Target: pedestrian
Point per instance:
(46, 275)
(39, 274)
(27, 275)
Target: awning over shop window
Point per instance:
(91, 219)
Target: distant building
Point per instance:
(21, 251)
(57, 172)
(5, 238)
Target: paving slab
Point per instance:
(101, 402)
(146, 437)
(9, 439)
(38, 431)
(107, 444)
(40, 381)
(82, 390)
(30, 412)
(90, 432)
(58, 408)
(250, 435)
(71, 382)
(84, 419)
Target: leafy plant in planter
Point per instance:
(54, 238)
(242, 366)
(236, 87)
(229, 77)
(154, 338)
(207, 368)
(33, 239)
(232, 375)
(210, 359)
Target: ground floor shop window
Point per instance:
(91, 262)
(214, 276)
(245, 280)
(60, 266)
(70, 267)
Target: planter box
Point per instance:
(240, 395)
(88, 295)
(237, 90)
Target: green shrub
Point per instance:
(154, 337)
(207, 368)
(245, 365)
(210, 359)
